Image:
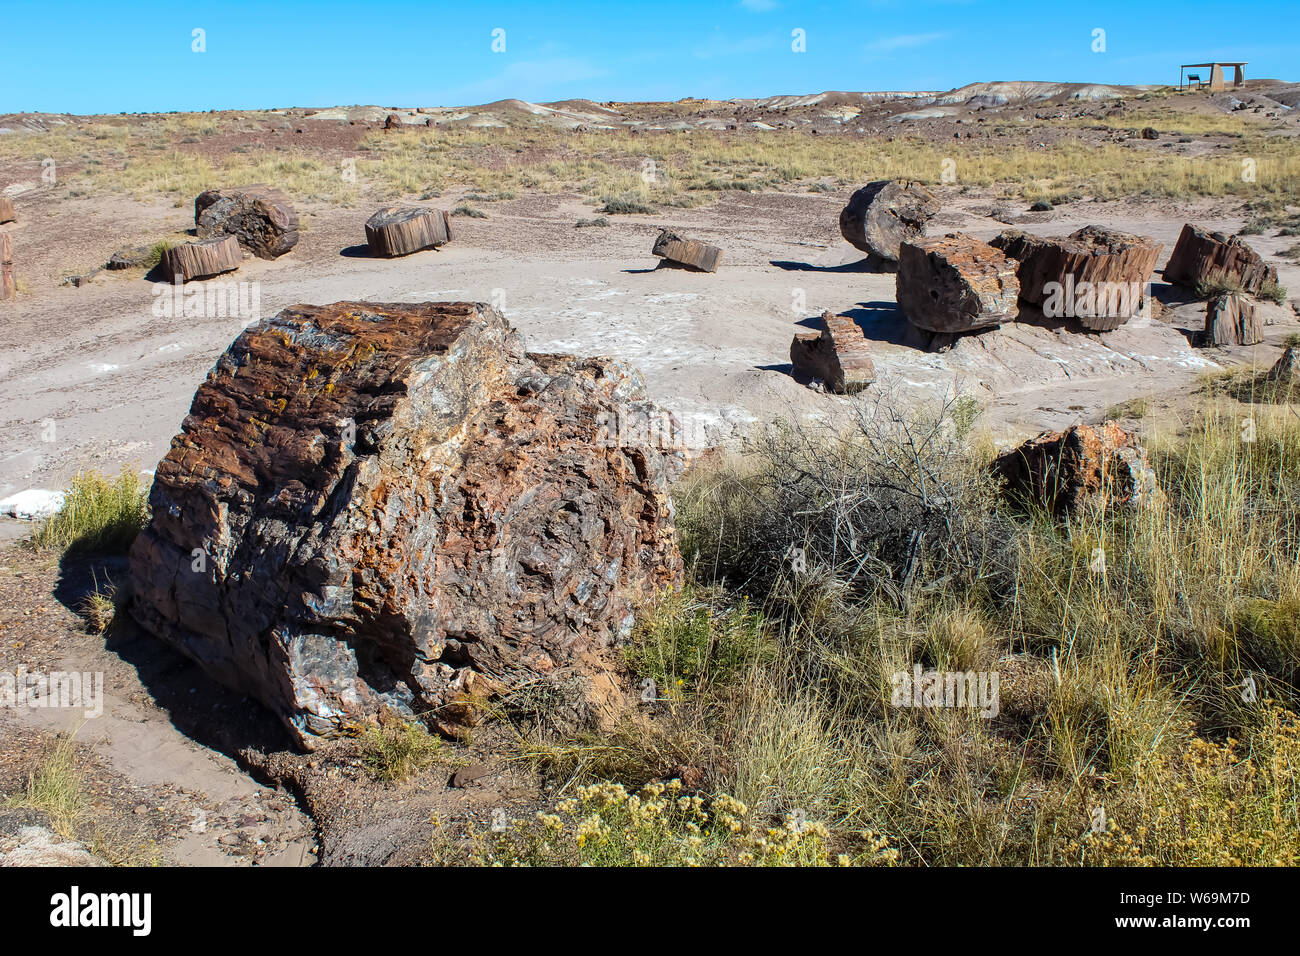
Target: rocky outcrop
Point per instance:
(1083, 466)
(1096, 275)
(882, 215)
(378, 507)
(261, 218)
(687, 252)
(1202, 258)
(956, 283)
(837, 356)
(202, 259)
(1231, 319)
(401, 230)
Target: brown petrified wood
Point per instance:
(882, 215)
(401, 230)
(1231, 319)
(687, 252)
(1085, 465)
(202, 259)
(1096, 275)
(955, 283)
(1203, 258)
(262, 218)
(394, 508)
(7, 213)
(837, 356)
(7, 284)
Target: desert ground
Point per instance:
(92, 379)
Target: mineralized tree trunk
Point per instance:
(394, 508)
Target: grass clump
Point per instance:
(470, 211)
(625, 206)
(54, 788)
(394, 751)
(99, 515)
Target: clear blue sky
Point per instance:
(100, 57)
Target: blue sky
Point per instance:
(112, 57)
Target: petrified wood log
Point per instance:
(687, 252)
(7, 213)
(1286, 370)
(1231, 319)
(1085, 465)
(401, 230)
(1203, 258)
(882, 215)
(1097, 275)
(838, 355)
(262, 218)
(202, 259)
(7, 284)
(392, 507)
(955, 283)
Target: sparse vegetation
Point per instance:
(99, 514)
(395, 751)
(1156, 695)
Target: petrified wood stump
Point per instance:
(262, 218)
(7, 284)
(1097, 275)
(955, 283)
(838, 355)
(7, 213)
(688, 252)
(401, 230)
(393, 507)
(882, 215)
(1231, 319)
(1203, 258)
(202, 259)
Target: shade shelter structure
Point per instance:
(1215, 81)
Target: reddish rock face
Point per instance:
(1081, 466)
(378, 506)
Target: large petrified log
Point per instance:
(955, 283)
(8, 288)
(202, 259)
(1231, 319)
(1085, 465)
(401, 230)
(882, 215)
(687, 252)
(262, 218)
(1096, 275)
(837, 356)
(1202, 258)
(393, 508)
(7, 213)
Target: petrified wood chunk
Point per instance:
(687, 252)
(401, 230)
(955, 283)
(1286, 369)
(1203, 258)
(1097, 275)
(837, 355)
(392, 507)
(199, 260)
(882, 215)
(262, 218)
(7, 213)
(1231, 319)
(7, 285)
(1085, 465)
